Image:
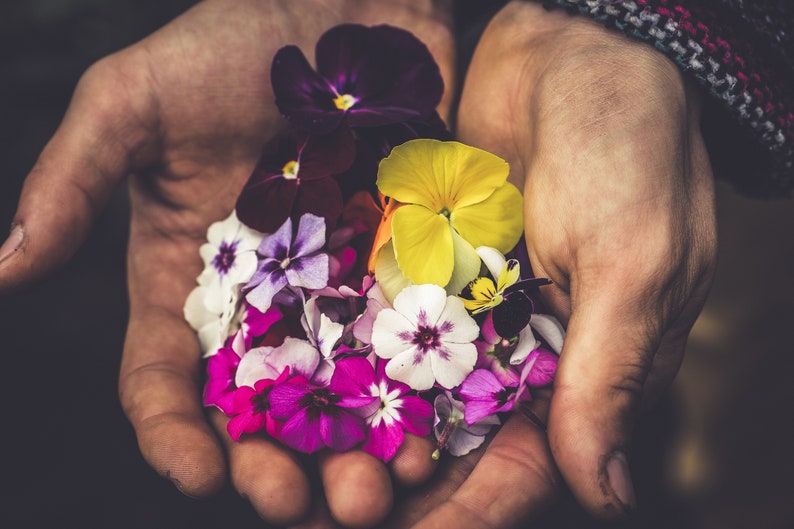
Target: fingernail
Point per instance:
(13, 243)
(620, 480)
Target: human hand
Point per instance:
(186, 112)
(602, 133)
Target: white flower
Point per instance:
(213, 307)
(428, 336)
(229, 261)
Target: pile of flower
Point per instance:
(369, 282)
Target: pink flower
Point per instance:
(394, 413)
(316, 416)
(221, 372)
(485, 395)
(250, 409)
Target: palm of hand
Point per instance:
(195, 140)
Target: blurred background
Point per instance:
(717, 453)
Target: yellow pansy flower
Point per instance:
(485, 295)
(453, 198)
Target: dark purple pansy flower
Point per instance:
(293, 177)
(367, 76)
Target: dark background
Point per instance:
(715, 454)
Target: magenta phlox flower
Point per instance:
(540, 368)
(317, 416)
(221, 372)
(484, 395)
(256, 323)
(284, 260)
(428, 336)
(268, 362)
(250, 410)
(293, 177)
(367, 76)
(395, 411)
(452, 431)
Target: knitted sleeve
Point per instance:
(742, 53)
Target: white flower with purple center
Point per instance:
(428, 337)
(287, 260)
(212, 308)
(229, 261)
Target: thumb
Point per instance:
(73, 177)
(601, 378)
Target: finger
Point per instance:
(73, 177)
(609, 351)
(159, 382)
(413, 464)
(268, 475)
(357, 487)
(513, 483)
(159, 392)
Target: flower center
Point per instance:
(285, 263)
(290, 170)
(345, 101)
(261, 401)
(224, 259)
(319, 400)
(504, 349)
(426, 338)
(445, 211)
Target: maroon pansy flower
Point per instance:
(293, 177)
(366, 76)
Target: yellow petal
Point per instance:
(498, 221)
(440, 175)
(423, 245)
(391, 279)
(483, 293)
(467, 265)
(510, 274)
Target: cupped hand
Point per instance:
(602, 133)
(185, 112)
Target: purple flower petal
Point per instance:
(277, 245)
(303, 96)
(310, 236)
(390, 72)
(285, 399)
(262, 295)
(476, 410)
(266, 201)
(542, 372)
(319, 197)
(512, 315)
(308, 272)
(340, 430)
(353, 376)
(302, 431)
(480, 384)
